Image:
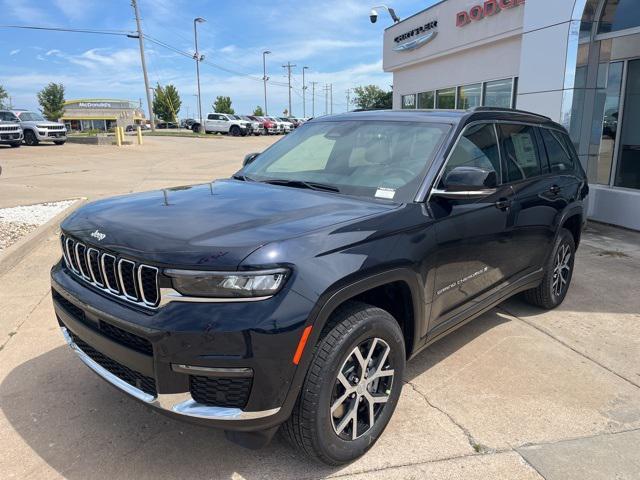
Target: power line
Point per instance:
(123, 33)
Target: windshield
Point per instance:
(31, 117)
(375, 159)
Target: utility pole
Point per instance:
(304, 96)
(313, 99)
(348, 98)
(326, 98)
(198, 58)
(265, 78)
(288, 66)
(331, 97)
(134, 4)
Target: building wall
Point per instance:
(488, 49)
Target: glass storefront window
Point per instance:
(609, 123)
(469, 96)
(426, 100)
(628, 168)
(498, 93)
(446, 98)
(408, 101)
(619, 15)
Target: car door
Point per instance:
(474, 246)
(536, 202)
(210, 123)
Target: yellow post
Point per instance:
(139, 135)
(118, 138)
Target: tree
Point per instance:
(223, 105)
(3, 96)
(166, 103)
(51, 99)
(371, 97)
(258, 111)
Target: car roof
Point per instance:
(442, 116)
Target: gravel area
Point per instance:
(16, 222)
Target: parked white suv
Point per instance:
(38, 129)
(227, 123)
(10, 129)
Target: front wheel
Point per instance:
(30, 138)
(15, 144)
(235, 131)
(352, 386)
(558, 273)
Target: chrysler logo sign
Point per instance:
(416, 38)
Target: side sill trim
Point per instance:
(180, 403)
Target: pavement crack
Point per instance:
(565, 344)
(473, 443)
(15, 331)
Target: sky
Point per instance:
(334, 38)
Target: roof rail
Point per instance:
(511, 110)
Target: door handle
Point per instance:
(555, 189)
(503, 204)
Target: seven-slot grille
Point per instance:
(134, 282)
(9, 128)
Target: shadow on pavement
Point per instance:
(81, 427)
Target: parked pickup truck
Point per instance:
(38, 129)
(10, 129)
(227, 123)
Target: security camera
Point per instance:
(373, 16)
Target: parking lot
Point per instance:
(516, 394)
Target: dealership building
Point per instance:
(575, 61)
(101, 114)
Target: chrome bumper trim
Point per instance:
(180, 403)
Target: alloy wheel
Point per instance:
(362, 389)
(561, 270)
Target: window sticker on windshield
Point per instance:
(384, 192)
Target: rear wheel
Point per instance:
(30, 138)
(558, 273)
(352, 386)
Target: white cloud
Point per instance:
(14, 52)
(53, 52)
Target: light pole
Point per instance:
(304, 97)
(198, 58)
(265, 78)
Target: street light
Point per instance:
(198, 58)
(304, 88)
(373, 15)
(265, 78)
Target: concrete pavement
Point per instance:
(516, 394)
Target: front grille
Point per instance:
(123, 278)
(125, 338)
(70, 307)
(54, 127)
(220, 392)
(136, 379)
(10, 129)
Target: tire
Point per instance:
(235, 130)
(30, 138)
(558, 273)
(15, 144)
(59, 142)
(328, 435)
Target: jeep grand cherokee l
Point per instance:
(291, 295)
(38, 129)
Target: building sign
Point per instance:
(488, 9)
(101, 105)
(417, 37)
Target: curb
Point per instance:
(16, 252)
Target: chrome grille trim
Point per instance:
(128, 295)
(75, 253)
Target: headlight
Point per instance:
(200, 283)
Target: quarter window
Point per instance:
(478, 147)
(559, 158)
(521, 156)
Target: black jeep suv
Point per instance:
(291, 295)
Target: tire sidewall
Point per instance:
(564, 238)
(328, 442)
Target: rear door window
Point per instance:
(520, 152)
(560, 160)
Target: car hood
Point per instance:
(214, 225)
(43, 123)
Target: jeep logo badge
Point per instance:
(98, 235)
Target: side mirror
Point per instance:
(249, 159)
(468, 183)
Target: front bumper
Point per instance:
(218, 340)
(11, 136)
(50, 135)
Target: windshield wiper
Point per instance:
(302, 184)
(244, 178)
